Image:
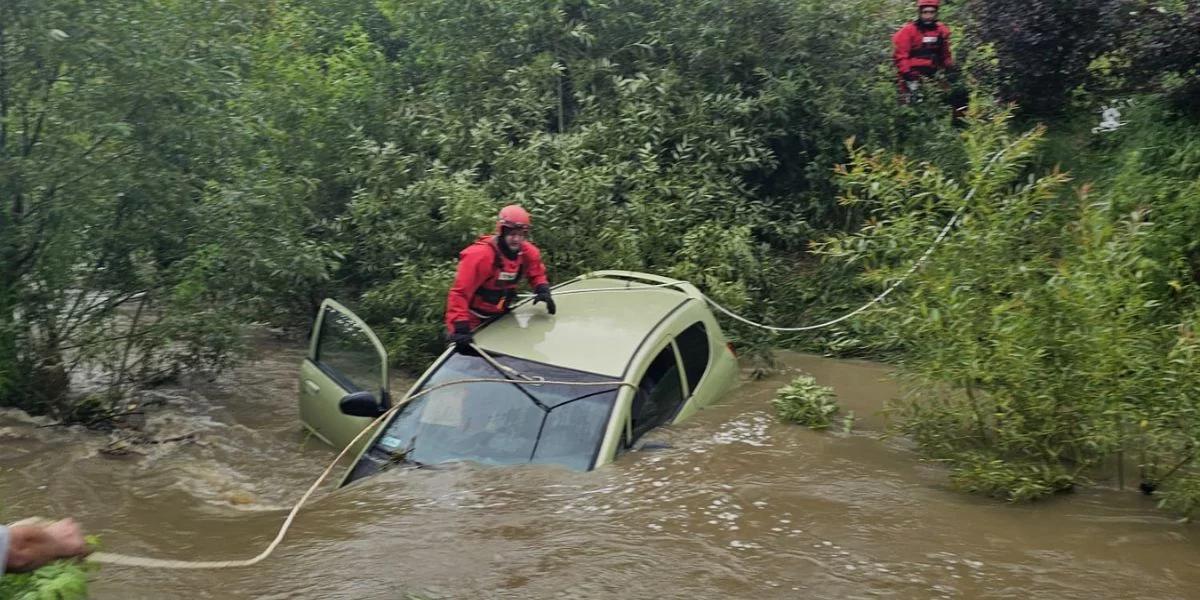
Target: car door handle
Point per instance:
(312, 387)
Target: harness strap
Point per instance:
(506, 293)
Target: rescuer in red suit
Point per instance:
(488, 273)
(921, 48)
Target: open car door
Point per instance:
(344, 357)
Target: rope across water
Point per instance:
(138, 561)
(954, 219)
(522, 379)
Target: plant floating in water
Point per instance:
(806, 402)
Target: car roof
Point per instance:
(598, 332)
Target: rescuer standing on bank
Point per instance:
(921, 48)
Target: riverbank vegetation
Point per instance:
(171, 173)
(61, 580)
(65, 579)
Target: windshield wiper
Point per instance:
(545, 409)
(583, 397)
(510, 377)
(397, 457)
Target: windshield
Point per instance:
(503, 423)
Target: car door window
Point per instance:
(346, 353)
(695, 351)
(659, 394)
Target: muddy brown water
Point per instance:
(740, 506)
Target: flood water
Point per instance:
(740, 506)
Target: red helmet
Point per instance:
(930, 3)
(513, 216)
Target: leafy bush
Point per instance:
(60, 580)
(407, 313)
(1046, 324)
(143, 226)
(1013, 481)
(1046, 46)
(628, 130)
(181, 169)
(314, 148)
(1182, 496)
(807, 403)
(1156, 50)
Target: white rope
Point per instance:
(877, 299)
(613, 289)
(157, 563)
(500, 367)
(136, 561)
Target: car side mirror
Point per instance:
(360, 404)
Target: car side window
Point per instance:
(346, 353)
(695, 351)
(659, 394)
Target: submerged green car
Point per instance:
(611, 327)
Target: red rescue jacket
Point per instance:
(921, 51)
(486, 282)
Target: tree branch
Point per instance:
(3, 84)
(37, 67)
(62, 185)
(26, 259)
(41, 118)
(90, 313)
(117, 338)
(18, 210)
(129, 337)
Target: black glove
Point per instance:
(462, 337)
(542, 294)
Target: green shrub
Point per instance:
(806, 402)
(59, 580)
(1182, 496)
(1015, 481)
(1049, 320)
